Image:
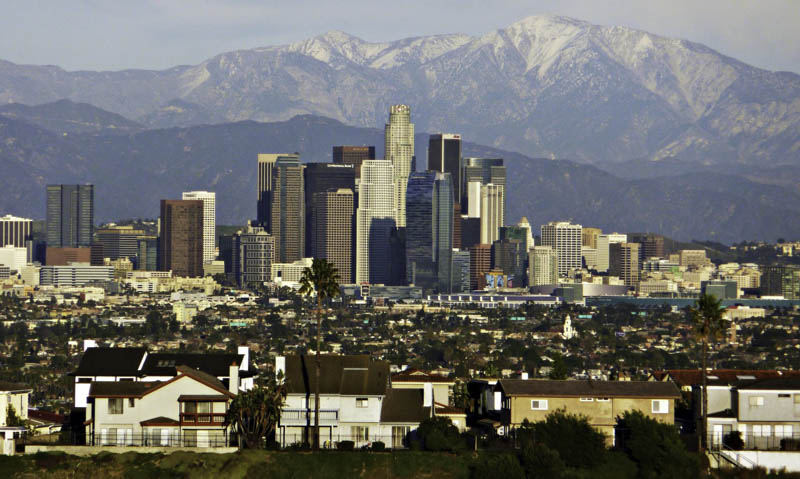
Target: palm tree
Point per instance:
(323, 279)
(708, 325)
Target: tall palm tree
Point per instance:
(321, 278)
(708, 325)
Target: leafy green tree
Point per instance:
(575, 440)
(12, 418)
(439, 434)
(538, 460)
(321, 279)
(254, 414)
(559, 368)
(655, 447)
(708, 325)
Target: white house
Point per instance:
(15, 395)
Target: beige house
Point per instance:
(15, 395)
(187, 410)
(602, 402)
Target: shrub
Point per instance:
(539, 460)
(505, 466)
(572, 437)
(345, 445)
(378, 446)
(655, 447)
(439, 434)
(733, 440)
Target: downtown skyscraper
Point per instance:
(429, 231)
(209, 200)
(399, 151)
(266, 163)
(375, 219)
(287, 210)
(444, 155)
(566, 239)
(180, 248)
(70, 216)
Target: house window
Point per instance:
(115, 405)
(756, 401)
(359, 433)
(603, 399)
(539, 404)
(362, 402)
(783, 430)
(131, 402)
(190, 438)
(660, 406)
(399, 434)
(784, 395)
(587, 399)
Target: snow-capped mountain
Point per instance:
(545, 86)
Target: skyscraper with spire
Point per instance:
(399, 143)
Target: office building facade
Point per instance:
(147, 253)
(353, 155)
(492, 212)
(119, 242)
(461, 274)
(444, 156)
(209, 199)
(399, 151)
(482, 171)
(589, 237)
(429, 231)
(333, 230)
(74, 275)
(652, 245)
(543, 266)
(180, 247)
(624, 263)
(253, 254)
(15, 231)
(321, 178)
(70, 216)
(566, 239)
(480, 263)
(375, 218)
(287, 209)
(266, 163)
(604, 243)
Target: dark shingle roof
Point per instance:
(163, 364)
(346, 375)
(110, 362)
(783, 383)
(524, 387)
(121, 388)
(203, 377)
(404, 406)
(9, 386)
(160, 421)
(693, 377)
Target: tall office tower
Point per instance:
(375, 218)
(589, 257)
(652, 245)
(470, 232)
(780, 280)
(15, 231)
(70, 215)
(461, 260)
(483, 171)
(480, 263)
(624, 262)
(565, 238)
(604, 243)
(444, 155)
(543, 261)
(287, 209)
(266, 163)
(180, 247)
(320, 178)
(147, 254)
(589, 237)
(429, 231)
(472, 199)
(119, 242)
(509, 255)
(456, 226)
(523, 223)
(517, 232)
(493, 200)
(252, 256)
(353, 155)
(333, 230)
(399, 151)
(209, 199)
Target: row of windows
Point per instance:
(657, 406)
(758, 401)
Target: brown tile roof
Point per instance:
(46, 416)
(416, 375)
(404, 406)
(345, 375)
(544, 388)
(693, 377)
(160, 421)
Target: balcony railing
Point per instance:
(304, 416)
(202, 419)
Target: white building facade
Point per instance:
(375, 218)
(399, 151)
(209, 200)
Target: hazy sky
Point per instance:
(118, 34)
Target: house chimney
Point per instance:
(245, 352)
(427, 395)
(280, 365)
(233, 378)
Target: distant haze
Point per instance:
(151, 34)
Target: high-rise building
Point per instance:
(375, 218)
(252, 256)
(429, 231)
(180, 247)
(147, 253)
(67, 256)
(470, 232)
(73, 275)
(287, 208)
(492, 212)
(624, 262)
(70, 216)
(444, 155)
(589, 237)
(461, 260)
(353, 155)
(483, 171)
(15, 231)
(652, 245)
(565, 238)
(480, 263)
(266, 163)
(333, 230)
(209, 199)
(543, 261)
(780, 280)
(119, 241)
(604, 242)
(321, 178)
(14, 257)
(509, 256)
(399, 151)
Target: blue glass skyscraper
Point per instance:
(429, 230)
